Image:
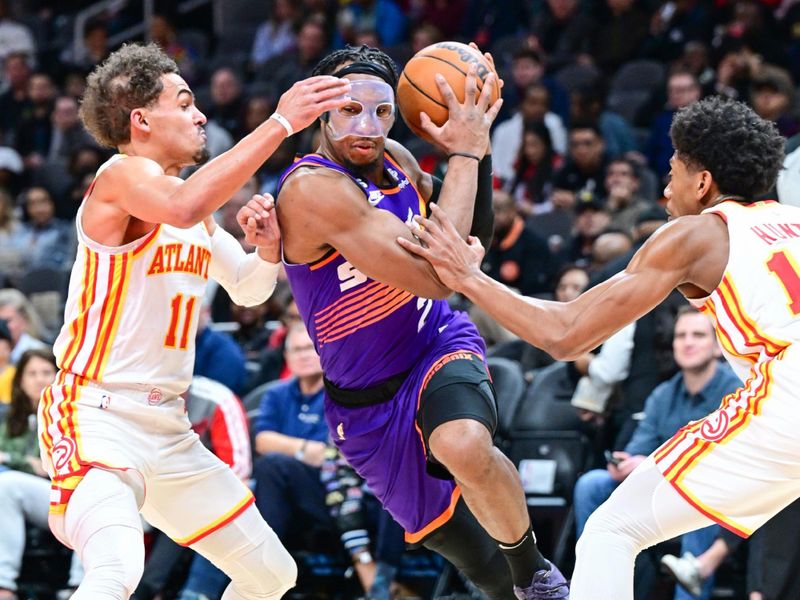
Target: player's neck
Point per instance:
(135, 149)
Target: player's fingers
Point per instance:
(325, 82)
(447, 92)
(491, 114)
(251, 223)
(444, 222)
(413, 247)
(471, 85)
(486, 92)
(246, 212)
(427, 125)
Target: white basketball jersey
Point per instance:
(757, 304)
(131, 313)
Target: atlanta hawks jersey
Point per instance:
(757, 304)
(131, 312)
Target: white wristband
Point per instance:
(284, 122)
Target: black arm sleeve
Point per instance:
(483, 215)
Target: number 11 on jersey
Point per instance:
(176, 306)
(783, 266)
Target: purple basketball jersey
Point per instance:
(365, 331)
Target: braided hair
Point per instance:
(362, 54)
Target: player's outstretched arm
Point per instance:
(139, 186)
(326, 209)
(674, 255)
(249, 278)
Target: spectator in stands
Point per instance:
(382, 16)
(47, 240)
(14, 100)
(609, 245)
(217, 356)
(7, 370)
(735, 72)
(772, 97)
(14, 37)
(585, 168)
(682, 90)
(227, 101)
(528, 68)
(691, 394)
(445, 16)
(163, 33)
(673, 25)
(252, 335)
(34, 132)
(623, 201)
(587, 105)
(621, 30)
(272, 169)
(507, 137)
(257, 110)
(92, 51)
(292, 437)
(24, 485)
(11, 229)
(517, 256)
(591, 219)
(283, 70)
(276, 35)
(217, 416)
(67, 133)
(532, 183)
(564, 32)
(23, 322)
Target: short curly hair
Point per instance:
(350, 54)
(129, 78)
(742, 151)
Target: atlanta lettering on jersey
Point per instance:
(174, 258)
(770, 233)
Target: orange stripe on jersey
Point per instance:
(676, 439)
(373, 317)
(380, 296)
(423, 207)
(725, 338)
(346, 300)
(712, 514)
(219, 523)
(413, 538)
(46, 439)
(119, 288)
(105, 308)
(146, 242)
(771, 345)
(323, 261)
(80, 323)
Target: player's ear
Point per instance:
(139, 120)
(704, 183)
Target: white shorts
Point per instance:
(741, 465)
(145, 435)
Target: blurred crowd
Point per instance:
(581, 154)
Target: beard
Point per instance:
(363, 170)
(201, 156)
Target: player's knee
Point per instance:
(264, 571)
(464, 447)
(113, 574)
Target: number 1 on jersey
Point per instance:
(785, 269)
(174, 320)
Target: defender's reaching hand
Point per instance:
(454, 260)
(260, 225)
(306, 100)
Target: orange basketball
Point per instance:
(417, 90)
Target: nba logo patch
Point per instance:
(105, 401)
(154, 397)
(340, 431)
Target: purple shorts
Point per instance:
(384, 445)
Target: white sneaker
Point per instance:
(686, 571)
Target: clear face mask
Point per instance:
(370, 112)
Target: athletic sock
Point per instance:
(524, 558)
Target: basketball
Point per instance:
(417, 90)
